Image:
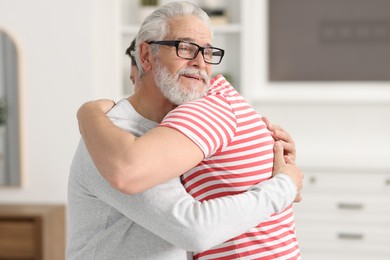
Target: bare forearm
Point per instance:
(125, 162)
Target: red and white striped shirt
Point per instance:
(238, 153)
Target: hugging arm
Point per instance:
(116, 152)
(170, 212)
(116, 161)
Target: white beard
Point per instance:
(170, 86)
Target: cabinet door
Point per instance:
(343, 207)
(347, 182)
(19, 238)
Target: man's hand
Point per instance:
(101, 105)
(279, 134)
(284, 165)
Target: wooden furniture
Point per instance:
(32, 232)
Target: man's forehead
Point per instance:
(189, 28)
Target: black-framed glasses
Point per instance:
(189, 51)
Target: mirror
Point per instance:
(9, 113)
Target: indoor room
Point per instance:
(320, 69)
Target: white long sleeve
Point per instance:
(171, 213)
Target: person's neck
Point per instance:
(149, 102)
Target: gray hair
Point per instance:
(155, 26)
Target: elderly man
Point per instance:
(162, 222)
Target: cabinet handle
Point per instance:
(350, 236)
(353, 206)
(387, 182)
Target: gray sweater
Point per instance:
(163, 222)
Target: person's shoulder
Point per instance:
(219, 82)
(219, 85)
(122, 108)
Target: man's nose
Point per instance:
(199, 60)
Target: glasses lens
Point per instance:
(216, 56)
(208, 55)
(186, 50)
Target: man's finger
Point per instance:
(289, 160)
(267, 123)
(289, 149)
(278, 154)
(270, 126)
(280, 134)
(105, 104)
(298, 198)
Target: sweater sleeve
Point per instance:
(171, 213)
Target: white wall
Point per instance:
(336, 136)
(336, 125)
(60, 68)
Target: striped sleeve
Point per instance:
(209, 122)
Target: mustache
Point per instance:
(201, 73)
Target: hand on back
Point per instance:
(285, 165)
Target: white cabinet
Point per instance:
(344, 215)
(226, 36)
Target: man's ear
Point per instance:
(145, 56)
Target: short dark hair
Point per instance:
(130, 52)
